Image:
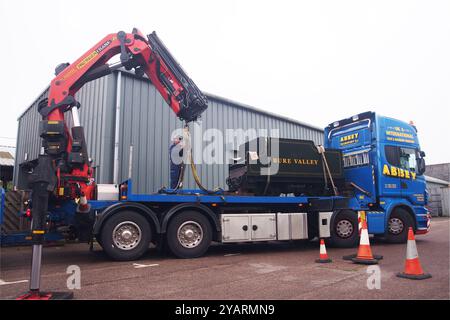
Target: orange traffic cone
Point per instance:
(413, 269)
(361, 217)
(364, 255)
(323, 258)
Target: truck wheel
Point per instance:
(344, 230)
(126, 236)
(398, 225)
(189, 235)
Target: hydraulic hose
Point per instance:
(187, 150)
(198, 181)
(187, 139)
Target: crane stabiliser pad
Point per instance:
(46, 296)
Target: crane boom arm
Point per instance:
(65, 151)
(148, 56)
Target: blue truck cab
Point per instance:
(384, 168)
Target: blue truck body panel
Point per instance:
(2, 204)
(199, 196)
(23, 238)
(376, 222)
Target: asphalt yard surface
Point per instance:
(245, 271)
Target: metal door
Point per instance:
(235, 228)
(263, 227)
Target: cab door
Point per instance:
(390, 183)
(412, 182)
(400, 175)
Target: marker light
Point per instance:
(123, 192)
(336, 124)
(355, 118)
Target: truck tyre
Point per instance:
(397, 227)
(189, 234)
(344, 230)
(126, 236)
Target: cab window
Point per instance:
(408, 159)
(405, 158)
(392, 155)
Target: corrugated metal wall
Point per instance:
(28, 141)
(97, 115)
(97, 99)
(146, 123)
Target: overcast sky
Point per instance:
(314, 61)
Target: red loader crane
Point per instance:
(63, 171)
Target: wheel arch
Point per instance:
(209, 214)
(340, 242)
(337, 212)
(405, 207)
(137, 207)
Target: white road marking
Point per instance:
(5, 283)
(138, 265)
(231, 254)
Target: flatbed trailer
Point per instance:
(187, 221)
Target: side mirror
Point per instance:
(421, 166)
(422, 154)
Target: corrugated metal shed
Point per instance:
(438, 196)
(146, 123)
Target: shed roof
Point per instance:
(437, 181)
